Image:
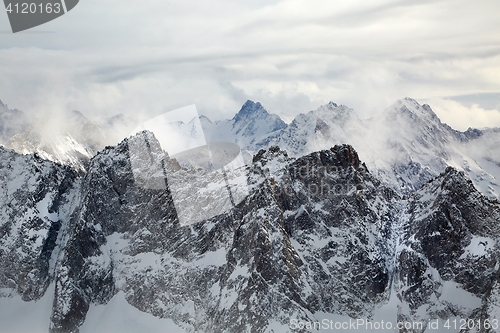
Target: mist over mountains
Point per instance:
(401, 224)
(405, 146)
(68, 138)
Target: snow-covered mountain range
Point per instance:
(68, 138)
(405, 145)
(322, 234)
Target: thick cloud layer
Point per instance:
(144, 58)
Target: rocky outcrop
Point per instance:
(315, 236)
(449, 244)
(36, 201)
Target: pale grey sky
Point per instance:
(147, 57)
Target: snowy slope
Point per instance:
(448, 253)
(481, 161)
(119, 316)
(61, 148)
(405, 145)
(36, 199)
(317, 237)
(70, 138)
(322, 128)
(250, 125)
(411, 146)
(18, 316)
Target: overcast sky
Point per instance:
(143, 58)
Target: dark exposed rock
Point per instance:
(317, 234)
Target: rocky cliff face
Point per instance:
(286, 249)
(405, 146)
(250, 127)
(448, 249)
(37, 198)
(316, 237)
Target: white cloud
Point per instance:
(113, 56)
(462, 117)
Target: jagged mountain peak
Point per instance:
(331, 113)
(454, 183)
(334, 107)
(266, 154)
(347, 155)
(5, 108)
(76, 115)
(410, 108)
(142, 134)
(137, 138)
(449, 180)
(452, 177)
(205, 119)
(296, 247)
(453, 188)
(412, 121)
(12, 122)
(251, 125)
(473, 133)
(250, 110)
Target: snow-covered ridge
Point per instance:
(317, 236)
(405, 146)
(68, 138)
